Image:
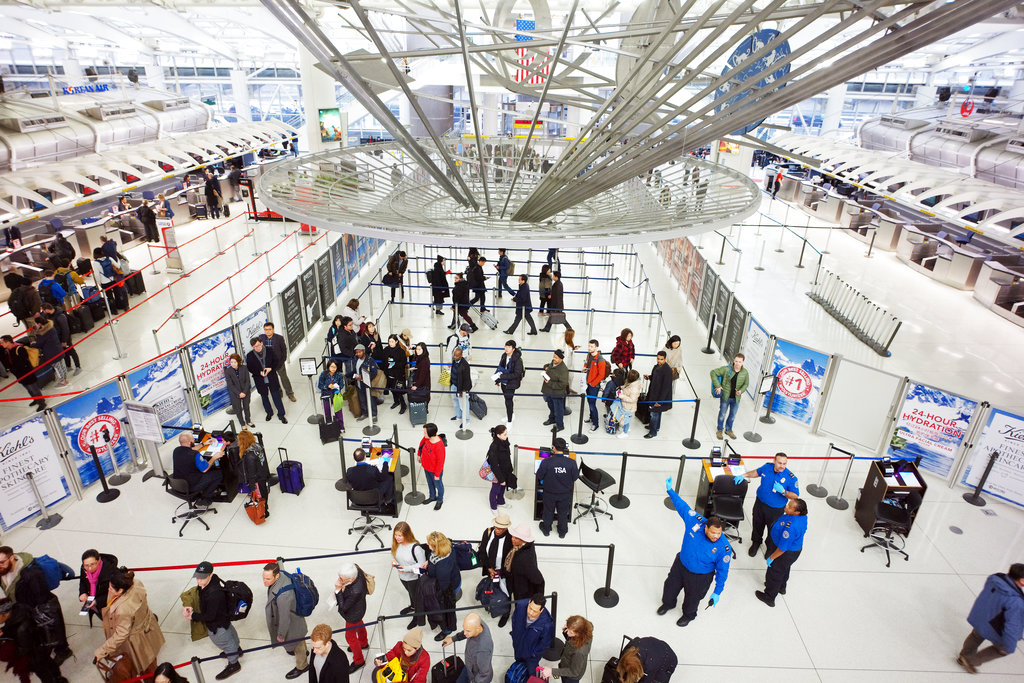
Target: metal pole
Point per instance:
(118, 354)
(711, 329)
(198, 670)
(372, 429)
(691, 442)
(152, 261)
(107, 494)
(270, 272)
(803, 247)
(760, 261)
(619, 501)
(216, 237)
(679, 476)
(782, 233)
(871, 244)
(463, 434)
(828, 238)
(817, 490)
(838, 502)
(315, 418)
(975, 497)
(605, 596)
(739, 257)
(752, 436)
(342, 484)
(721, 254)
(767, 417)
(579, 437)
(48, 521)
(414, 497)
(118, 478)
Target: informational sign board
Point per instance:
(696, 278)
(145, 421)
(325, 284)
(723, 301)
(26, 447)
(1004, 433)
(251, 326)
(707, 296)
(294, 321)
(94, 419)
(209, 357)
(755, 346)
(166, 228)
(310, 297)
(932, 425)
(307, 367)
(162, 384)
(734, 330)
(351, 256)
(338, 268)
(801, 373)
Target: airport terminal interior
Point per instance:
(831, 189)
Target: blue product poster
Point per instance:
(208, 357)
(338, 267)
(351, 256)
(932, 425)
(801, 372)
(94, 419)
(252, 326)
(362, 248)
(162, 385)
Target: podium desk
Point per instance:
(877, 487)
(707, 478)
(390, 468)
(538, 489)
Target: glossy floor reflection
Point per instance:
(846, 618)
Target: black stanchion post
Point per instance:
(403, 469)
(342, 484)
(579, 437)
(619, 501)
(107, 494)
(414, 497)
(197, 669)
(817, 490)
(975, 497)
(838, 502)
(679, 477)
(800, 263)
(767, 417)
(691, 442)
(554, 652)
(47, 521)
(605, 596)
(711, 330)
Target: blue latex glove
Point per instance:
(768, 560)
(738, 480)
(779, 488)
(668, 483)
(715, 597)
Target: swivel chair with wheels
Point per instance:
(179, 488)
(597, 480)
(368, 504)
(892, 524)
(726, 503)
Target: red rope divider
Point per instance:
(192, 566)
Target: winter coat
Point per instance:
(483, 553)
(255, 469)
(476, 276)
(334, 669)
(529, 641)
(395, 363)
(238, 381)
(674, 359)
(439, 282)
(558, 385)
(523, 576)
(1000, 596)
(325, 381)
(445, 570)
(25, 302)
(660, 388)
(132, 628)
(721, 378)
(47, 341)
(416, 668)
(262, 384)
(512, 369)
(573, 662)
(344, 343)
(629, 394)
(462, 379)
(107, 569)
(522, 298)
(657, 657)
(421, 378)
(352, 600)
(556, 300)
(460, 293)
(595, 369)
(500, 462)
(16, 360)
(190, 598)
(282, 621)
(60, 323)
(624, 352)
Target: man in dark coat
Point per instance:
(556, 303)
(659, 394)
(148, 219)
(213, 194)
(477, 283)
(15, 359)
(59, 318)
(350, 594)
(364, 476)
(996, 616)
(510, 376)
(533, 629)
(523, 307)
(328, 664)
(278, 350)
(25, 303)
(460, 302)
(21, 645)
(264, 377)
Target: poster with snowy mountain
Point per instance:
(162, 385)
(932, 424)
(800, 372)
(351, 256)
(94, 419)
(1004, 433)
(26, 447)
(209, 356)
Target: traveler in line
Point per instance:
(510, 373)
(572, 664)
(438, 280)
(413, 660)
(728, 384)
(625, 404)
(431, 454)
(524, 306)
(996, 616)
(59, 318)
(499, 459)
(556, 304)
(15, 359)
(94, 581)
(131, 627)
(479, 650)
(442, 568)
(407, 557)
(283, 623)
(255, 469)
(260, 364)
(396, 368)
(331, 382)
(533, 629)
(554, 388)
(279, 353)
(215, 613)
(659, 393)
(350, 594)
(239, 385)
(328, 663)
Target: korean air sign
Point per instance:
(91, 87)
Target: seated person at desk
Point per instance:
(202, 474)
(365, 476)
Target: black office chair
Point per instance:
(727, 504)
(368, 503)
(892, 523)
(179, 488)
(597, 480)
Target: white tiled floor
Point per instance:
(846, 617)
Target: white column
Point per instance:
(833, 110)
(1016, 93)
(73, 72)
(317, 94)
(240, 94)
(572, 121)
(489, 115)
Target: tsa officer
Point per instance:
(787, 535)
(704, 557)
(778, 486)
(558, 473)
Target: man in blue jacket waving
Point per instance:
(998, 617)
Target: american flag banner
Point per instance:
(525, 56)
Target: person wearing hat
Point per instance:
(215, 613)
(25, 653)
(533, 630)
(460, 340)
(558, 474)
(554, 387)
(495, 546)
(410, 655)
(519, 569)
(366, 369)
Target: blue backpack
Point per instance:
(465, 556)
(108, 267)
(54, 571)
(306, 594)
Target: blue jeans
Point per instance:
(503, 284)
(592, 393)
(552, 255)
(556, 409)
(622, 415)
(727, 406)
(655, 422)
(457, 404)
(434, 486)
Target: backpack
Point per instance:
(465, 556)
(109, 271)
(18, 303)
(54, 571)
(239, 599)
(69, 284)
(46, 292)
(511, 268)
(33, 355)
(607, 370)
(371, 580)
(306, 594)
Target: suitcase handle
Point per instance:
(281, 450)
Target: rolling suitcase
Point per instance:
(83, 316)
(487, 318)
(289, 473)
(330, 432)
(417, 414)
(477, 406)
(448, 669)
(135, 283)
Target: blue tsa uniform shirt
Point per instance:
(766, 492)
(788, 532)
(698, 554)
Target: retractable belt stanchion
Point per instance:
(817, 490)
(107, 494)
(315, 417)
(414, 497)
(463, 434)
(619, 501)
(554, 651)
(579, 437)
(402, 469)
(767, 417)
(752, 435)
(118, 478)
(47, 521)
(691, 441)
(198, 670)
(371, 429)
(342, 484)
(679, 477)
(838, 502)
(974, 498)
(711, 330)
(605, 596)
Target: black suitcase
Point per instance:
(84, 316)
(96, 309)
(448, 669)
(135, 283)
(477, 406)
(330, 432)
(643, 410)
(83, 266)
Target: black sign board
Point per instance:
(707, 296)
(294, 325)
(734, 332)
(722, 301)
(310, 297)
(326, 281)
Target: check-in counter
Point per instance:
(829, 207)
(790, 188)
(889, 229)
(1000, 287)
(941, 259)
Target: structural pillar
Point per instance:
(835, 99)
(317, 94)
(240, 94)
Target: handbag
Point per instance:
(390, 673)
(485, 472)
(115, 669)
(444, 378)
(256, 507)
(337, 401)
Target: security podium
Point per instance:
(879, 487)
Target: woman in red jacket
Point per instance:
(413, 659)
(431, 457)
(624, 351)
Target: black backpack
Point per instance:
(239, 598)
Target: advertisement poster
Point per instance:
(252, 326)
(325, 283)
(94, 419)
(208, 357)
(331, 129)
(755, 345)
(362, 248)
(696, 278)
(932, 425)
(801, 372)
(1004, 433)
(162, 385)
(26, 447)
(310, 296)
(351, 256)
(338, 267)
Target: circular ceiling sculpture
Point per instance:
(379, 191)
